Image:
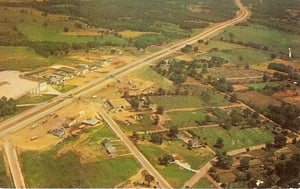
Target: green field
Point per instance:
(186, 118)
(44, 169)
(35, 99)
(274, 39)
(100, 133)
(262, 85)
(173, 173)
(4, 178)
(64, 88)
(236, 137)
(176, 102)
(203, 183)
(149, 74)
(249, 56)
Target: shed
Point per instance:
(90, 121)
(111, 150)
(106, 143)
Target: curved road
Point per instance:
(21, 120)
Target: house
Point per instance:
(106, 143)
(111, 150)
(180, 136)
(83, 66)
(42, 86)
(119, 103)
(57, 132)
(90, 121)
(69, 123)
(56, 80)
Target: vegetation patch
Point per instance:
(203, 183)
(187, 118)
(177, 102)
(260, 101)
(35, 99)
(262, 85)
(4, 177)
(63, 88)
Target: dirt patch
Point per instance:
(240, 88)
(287, 93)
(185, 57)
(257, 99)
(293, 100)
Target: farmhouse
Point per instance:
(194, 143)
(119, 103)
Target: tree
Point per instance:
(224, 161)
(66, 29)
(233, 98)
(244, 163)
(149, 178)
(165, 159)
(157, 138)
(280, 141)
(219, 142)
(173, 131)
(160, 110)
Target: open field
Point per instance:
(34, 99)
(44, 169)
(64, 88)
(257, 99)
(242, 56)
(262, 85)
(221, 45)
(255, 33)
(234, 138)
(186, 118)
(233, 72)
(173, 173)
(4, 178)
(175, 102)
(148, 74)
(133, 34)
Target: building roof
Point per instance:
(111, 149)
(106, 143)
(119, 103)
(90, 121)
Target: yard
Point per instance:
(186, 118)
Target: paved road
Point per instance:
(134, 150)
(14, 165)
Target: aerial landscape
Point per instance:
(149, 94)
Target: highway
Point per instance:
(19, 121)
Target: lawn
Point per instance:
(236, 137)
(173, 173)
(255, 33)
(242, 56)
(35, 99)
(147, 73)
(186, 118)
(177, 102)
(100, 133)
(203, 183)
(262, 85)
(4, 178)
(144, 124)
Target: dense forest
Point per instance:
(7, 106)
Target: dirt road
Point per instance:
(14, 165)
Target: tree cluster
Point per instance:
(7, 106)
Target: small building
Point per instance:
(90, 121)
(57, 132)
(111, 149)
(83, 66)
(106, 143)
(42, 86)
(69, 123)
(119, 103)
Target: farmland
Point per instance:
(260, 101)
(174, 102)
(183, 118)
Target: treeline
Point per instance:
(7, 106)
(286, 115)
(281, 67)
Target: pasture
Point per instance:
(5, 181)
(177, 102)
(257, 99)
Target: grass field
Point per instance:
(37, 32)
(4, 178)
(257, 99)
(236, 137)
(173, 173)
(144, 124)
(242, 56)
(100, 133)
(176, 102)
(64, 88)
(149, 74)
(35, 99)
(133, 34)
(263, 85)
(274, 39)
(203, 183)
(43, 169)
(186, 118)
